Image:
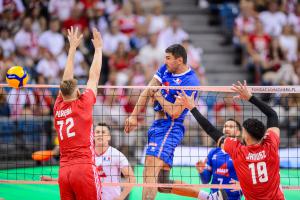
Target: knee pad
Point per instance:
(164, 178)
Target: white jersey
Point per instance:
(109, 165)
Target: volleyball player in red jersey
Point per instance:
(73, 118)
(256, 159)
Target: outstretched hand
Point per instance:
(185, 100)
(73, 37)
(97, 39)
(242, 89)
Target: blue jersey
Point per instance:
(166, 134)
(188, 78)
(220, 170)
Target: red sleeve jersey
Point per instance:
(257, 167)
(74, 126)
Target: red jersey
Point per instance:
(257, 167)
(74, 125)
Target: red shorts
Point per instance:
(79, 182)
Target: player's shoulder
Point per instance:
(214, 151)
(192, 78)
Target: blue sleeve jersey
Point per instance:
(166, 134)
(188, 78)
(220, 170)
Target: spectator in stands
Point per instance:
(14, 6)
(27, 43)
(20, 102)
(4, 107)
(120, 61)
(81, 68)
(294, 20)
(127, 20)
(174, 34)
(6, 42)
(288, 42)
(244, 26)
(61, 9)
(113, 38)
(97, 18)
(77, 18)
(194, 59)
(273, 19)
(138, 39)
(9, 21)
(272, 64)
(52, 40)
(157, 20)
(49, 67)
(258, 47)
(151, 55)
(43, 98)
(39, 22)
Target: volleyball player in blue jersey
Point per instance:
(167, 131)
(218, 168)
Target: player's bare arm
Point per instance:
(74, 40)
(131, 122)
(245, 94)
(173, 109)
(129, 175)
(95, 70)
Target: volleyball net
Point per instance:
(26, 126)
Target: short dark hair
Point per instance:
(177, 51)
(67, 87)
(236, 122)
(255, 128)
(104, 124)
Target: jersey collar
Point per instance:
(184, 73)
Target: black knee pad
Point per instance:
(164, 178)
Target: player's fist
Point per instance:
(73, 37)
(130, 124)
(200, 165)
(97, 39)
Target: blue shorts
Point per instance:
(163, 137)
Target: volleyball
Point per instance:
(16, 77)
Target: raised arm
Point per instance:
(245, 94)
(189, 102)
(74, 41)
(131, 122)
(95, 70)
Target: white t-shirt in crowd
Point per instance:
(52, 41)
(110, 42)
(169, 37)
(273, 22)
(61, 8)
(110, 164)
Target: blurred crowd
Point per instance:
(265, 35)
(135, 35)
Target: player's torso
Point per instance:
(223, 171)
(74, 126)
(258, 169)
(188, 78)
(109, 172)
